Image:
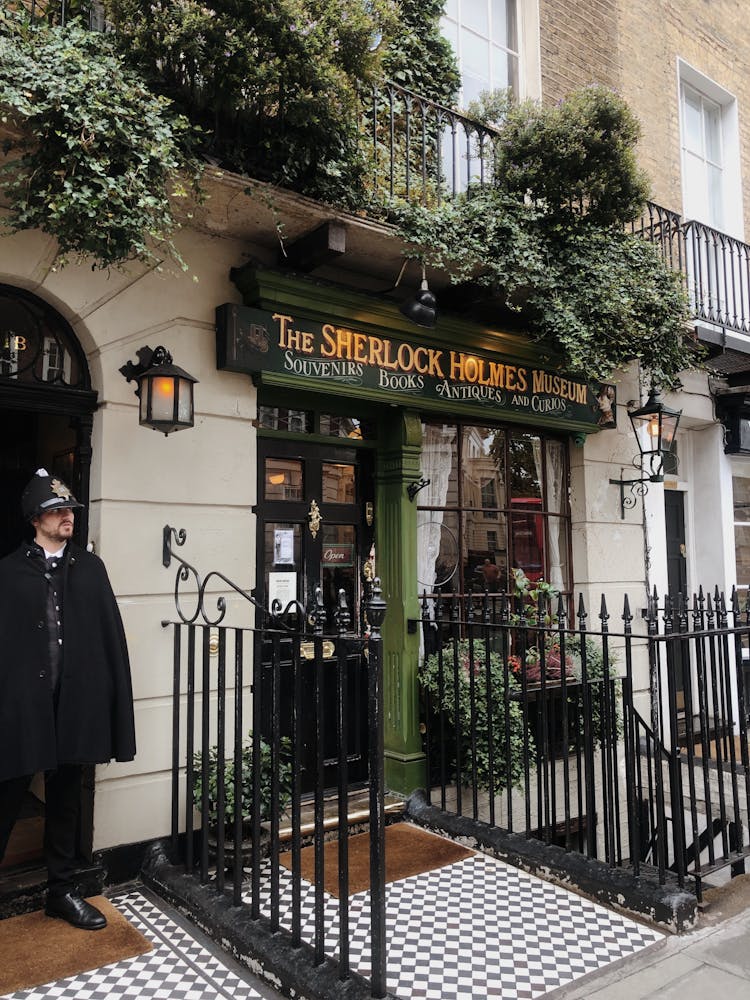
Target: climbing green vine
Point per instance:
(103, 134)
(548, 238)
(93, 156)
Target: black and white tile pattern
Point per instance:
(178, 968)
(477, 928)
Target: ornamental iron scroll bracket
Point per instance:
(413, 488)
(638, 488)
(278, 616)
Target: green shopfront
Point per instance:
(434, 459)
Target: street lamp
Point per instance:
(655, 428)
(165, 391)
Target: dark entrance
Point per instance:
(46, 415)
(674, 514)
(315, 529)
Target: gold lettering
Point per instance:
(376, 351)
(328, 347)
(523, 382)
(284, 321)
(435, 368)
(360, 348)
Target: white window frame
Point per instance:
(731, 187)
(527, 41)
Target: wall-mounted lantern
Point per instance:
(165, 391)
(655, 428)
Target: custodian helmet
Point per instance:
(43, 493)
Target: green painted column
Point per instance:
(396, 563)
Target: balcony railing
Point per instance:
(715, 267)
(424, 153)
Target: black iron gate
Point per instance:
(237, 794)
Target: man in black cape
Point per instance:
(65, 691)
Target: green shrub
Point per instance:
(266, 774)
(478, 720)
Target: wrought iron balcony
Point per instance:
(715, 266)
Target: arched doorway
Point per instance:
(46, 415)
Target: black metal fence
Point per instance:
(535, 723)
(253, 710)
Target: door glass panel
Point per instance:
(283, 479)
(283, 567)
(339, 483)
(338, 566)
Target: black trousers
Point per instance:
(63, 804)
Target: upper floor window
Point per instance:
(710, 153)
(485, 38)
(702, 157)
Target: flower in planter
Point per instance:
(483, 714)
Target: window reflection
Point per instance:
(339, 483)
(283, 479)
(497, 500)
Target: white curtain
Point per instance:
(555, 525)
(436, 461)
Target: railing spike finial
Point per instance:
(561, 612)
(603, 613)
(735, 599)
(627, 615)
(582, 613)
(343, 617)
(376, 607)
(317, 614)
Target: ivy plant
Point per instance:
(548, 237)
(94, 157)
(273, 85)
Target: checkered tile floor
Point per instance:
(478, 928)
(178, 968)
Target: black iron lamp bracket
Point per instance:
(638, 488)
(147, 359)
(413, 488)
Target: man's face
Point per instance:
(54, 527)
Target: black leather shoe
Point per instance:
(76, 911)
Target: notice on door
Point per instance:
(283, 547)
(282, 587)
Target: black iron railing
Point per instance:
(533, 725)
(423, 152)
(715, 267)
(237, 797)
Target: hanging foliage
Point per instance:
(548, 237)
(94, 158)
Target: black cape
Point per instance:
(94, 719)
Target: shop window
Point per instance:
(496, 500)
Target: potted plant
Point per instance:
(246, 804)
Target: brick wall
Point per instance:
(633, 46)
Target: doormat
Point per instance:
(37, 949)
(409, 850)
